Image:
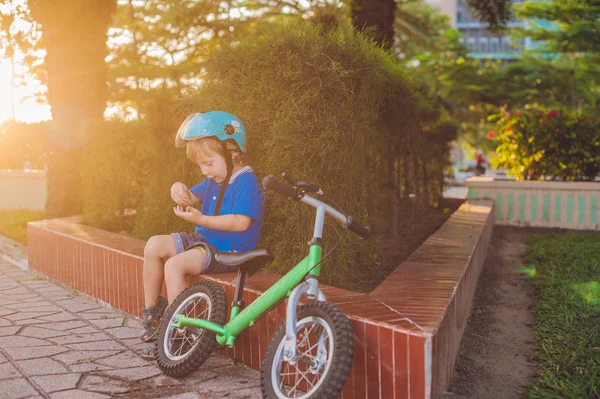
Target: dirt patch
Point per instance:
(494, 356)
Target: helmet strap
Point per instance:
(229, 163)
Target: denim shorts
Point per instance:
(185, 241)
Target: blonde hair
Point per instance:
(197, 150)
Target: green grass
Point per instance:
(13, 224)
(567, 338)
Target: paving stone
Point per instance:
(75, 338)
(34, 352)
(16, 388)
(5, 312)
(63, 316)
(7, 370)
(39, 302)
(5, 323)
(65, 325)
(108, 323)
(89, 367)
(26, 322)
(164, 381)
(97, 346)
(4, 302)
(250, 393)
(216, 361)
(74, 357)
(187, 395)
(53, 383)
(76, 307)
(103, 315)
(223, 383)
(85, 330)
(78, 394)
(39, 331)
(2, 358)
(124, 332)
(104, 385)
(123, 360)
(133, 374)
(135, 344)
(23, 315)
(42, 366)
(16, 341)
(43, 310)
(4, 331)
(133, 322)
(15, 291)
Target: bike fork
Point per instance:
(310, 287)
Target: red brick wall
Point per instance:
(407, 331)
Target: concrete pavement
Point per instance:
(56, 343)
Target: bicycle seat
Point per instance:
(250, 261)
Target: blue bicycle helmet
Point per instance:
(221, 125)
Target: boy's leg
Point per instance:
(188, 263)
(158, 249)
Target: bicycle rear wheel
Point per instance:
(180, 351)
(325, 350)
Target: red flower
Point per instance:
(490, 135)
(540, 114)
(552, 113)
(557, 131)
(517, 114)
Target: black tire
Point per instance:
(339, 360)
(193, 345)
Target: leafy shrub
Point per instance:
(538, 144)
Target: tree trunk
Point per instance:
(74, 36)
(377, 14)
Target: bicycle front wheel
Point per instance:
(180, 351)
(325, 350)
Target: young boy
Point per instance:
(230, 219)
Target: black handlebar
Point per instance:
(362, 231)
(271, 183)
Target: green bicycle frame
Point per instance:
(239, 321)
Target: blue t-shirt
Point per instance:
(244, 196)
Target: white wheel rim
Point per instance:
(308, 350)
(180, 342)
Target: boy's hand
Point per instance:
(188, 213)
(181, 194)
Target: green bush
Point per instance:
(538, 144)
(321, 104)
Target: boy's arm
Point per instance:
(235, 223)
(182, 195)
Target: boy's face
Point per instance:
(213, 166)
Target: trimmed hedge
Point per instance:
(323, 105)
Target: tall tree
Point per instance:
(74, 35)
(375, 15)
(567, 33)
(18, 37)
(495, 13)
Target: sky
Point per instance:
(27, 109)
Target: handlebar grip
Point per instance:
(271, 183)
(362, 231)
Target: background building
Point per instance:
(483, 44)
